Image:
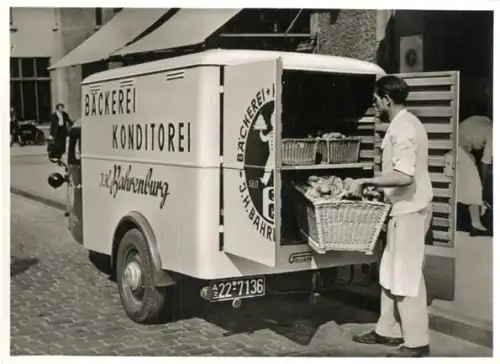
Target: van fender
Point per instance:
(136, 220)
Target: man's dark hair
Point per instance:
(59, 105)
(394, 87)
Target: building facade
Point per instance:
(39, 37)
(442, 40)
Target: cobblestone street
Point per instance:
(62, 304)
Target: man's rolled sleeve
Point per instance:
(405, 150)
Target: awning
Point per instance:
(187, 27)
(122, 29)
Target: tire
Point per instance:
(40, 139)
(147, 304)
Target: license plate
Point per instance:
(238, 288)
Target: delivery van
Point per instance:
(178, 174)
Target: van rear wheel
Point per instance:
(141, 299)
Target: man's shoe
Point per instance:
(406, 352)
(374, 338)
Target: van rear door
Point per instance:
(250, 130)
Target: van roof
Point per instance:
(222, 57)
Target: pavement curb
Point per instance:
(35, 197)
(29, 150)
(448, 326)
(32, 154)
(452, 327)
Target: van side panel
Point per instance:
(150, 144)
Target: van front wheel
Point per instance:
(141, 299)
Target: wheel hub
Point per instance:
(133, 275)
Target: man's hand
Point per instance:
(356, 188)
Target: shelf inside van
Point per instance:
(328, 166)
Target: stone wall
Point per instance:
(348, 33)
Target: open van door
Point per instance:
(434, 99)
(250, 132)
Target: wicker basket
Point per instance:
(340, 225)
(336, 151)
(298, 151)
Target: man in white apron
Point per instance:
(406, 182)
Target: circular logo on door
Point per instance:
(256, 152)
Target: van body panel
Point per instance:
(224, 57)
(151, 143)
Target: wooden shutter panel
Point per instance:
(434, 100)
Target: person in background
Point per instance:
(475, 136)
(59, 129)
(407, 185)
(15, 135)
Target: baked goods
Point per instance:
(333, 135)
(333, 188)
(328, 136)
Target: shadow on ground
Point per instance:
(296, 317)
(293, 316)
(102, 263)
(18, 265)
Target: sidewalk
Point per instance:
(28, 150)
(29, 171)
